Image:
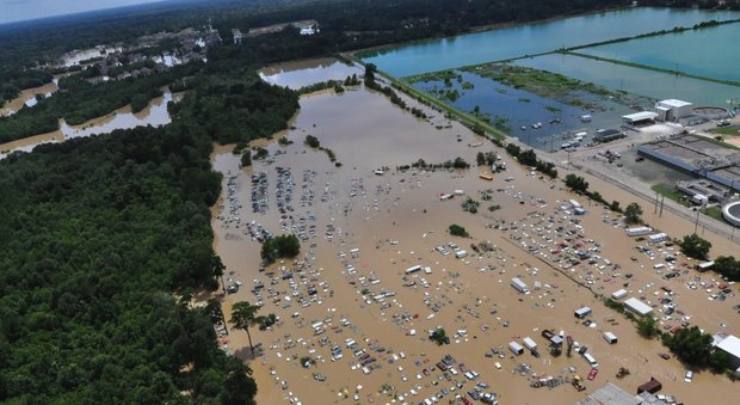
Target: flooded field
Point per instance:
(27, 98)
(634, 80)
(155, 114)
(541, 122)
(306, 72)
(354, 311)
(709, 52)
(529, 39)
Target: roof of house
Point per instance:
(731, 345)
(638, 306)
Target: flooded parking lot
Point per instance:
(378, 270)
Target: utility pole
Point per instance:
(662, 203)
(655, 204)
(696, 224)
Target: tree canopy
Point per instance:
(106, 233)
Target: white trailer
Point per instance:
(413, 269)
(610, 338)
(519, 285)
(658, 237)
(516, 348)
(582, 312)
(461, 254)
(639, 231)
(619, 294)
(530, 344)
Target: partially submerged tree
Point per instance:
(695, 246)
(633, 213)
(243, 316)
(440, 337)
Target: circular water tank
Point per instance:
(731, 213)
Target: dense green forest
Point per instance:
(107, 232)
(98, 235)
(233, 104)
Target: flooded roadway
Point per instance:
(395, 221)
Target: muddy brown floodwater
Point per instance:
(302, 73)
(348, 292)
(155, 114)
(13, 106)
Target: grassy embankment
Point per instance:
(729, 131)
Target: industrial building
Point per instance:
(608, 135)
(705, 188)
(699, 156)
(671, 110)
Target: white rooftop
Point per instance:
(731, 345)
(638, 306)
(673, 103)
(641, 116)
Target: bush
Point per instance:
(312, 141)
(457, 230)
(695, 246)
(440, 337)
(647, 327)
(528, 158)
(576, 183)
(728, 267)
(260, 153)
